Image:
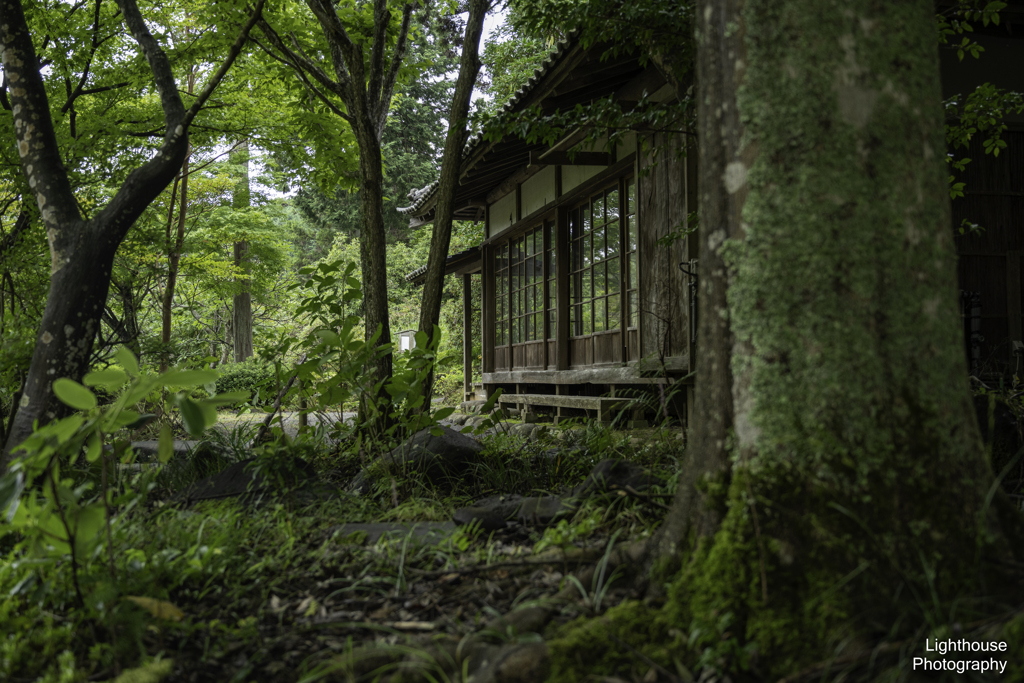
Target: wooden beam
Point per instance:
(467, 334)
(554, 157)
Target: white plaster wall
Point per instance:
(538, 190)
(576, 175)
(503, 213)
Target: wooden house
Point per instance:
(582, 305)
(585, 301)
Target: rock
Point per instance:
(610, 474)
(494, 513)
(433, 457)
(516, 663)
(542, 510)
(243, 478)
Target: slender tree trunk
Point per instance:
(242, 307)
(836, 460)
(174, 246)
(441, 237)
(373, 245)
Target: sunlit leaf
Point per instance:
(161, 609)
(165, 449)
(74, 394)
(110, 379)
(127, 360)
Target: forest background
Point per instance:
(268, 190)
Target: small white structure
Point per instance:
(407, 340)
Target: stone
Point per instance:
(495, 512)
(542, 510)
(432, 457)
(491, 513)
(611, 474)
(244, 478)
(516, 663)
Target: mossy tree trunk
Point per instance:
(836, 476)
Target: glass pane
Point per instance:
(599, 252)
(600, 284)
(588, 289)
(613, 276)
(613, 312)
(538, 322)
(631, 196)
(612, 233)
(613, 204)
(574, 317)
(634, 310)
(588, 318)
(632, 271)
(552, 294)
(599, 317)
(552, 322)
(585, 226)
(631, 242)
(585, 249)
(529, 328)
(598, 209)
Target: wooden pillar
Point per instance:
(467, 335)
(562, 295)
(487, 309)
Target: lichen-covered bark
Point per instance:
(852, 478)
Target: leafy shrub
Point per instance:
(449, 387)
(253, 376)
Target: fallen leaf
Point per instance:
(161, 609)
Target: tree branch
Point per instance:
(233, 53)
(396, 62)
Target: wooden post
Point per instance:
(487, 308)
(467, 336)
(1013, 300)
(562, 295)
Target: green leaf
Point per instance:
(128, 361)
(95, 447)
(166, 447)
(111, 379)
(228, 398)
(74, 394)
(192, 416)
(443, 413)
(436, 431)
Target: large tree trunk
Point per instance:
(836, 469)
(242, 307)
(441, 237)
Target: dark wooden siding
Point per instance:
(662, 208)
(990, 260)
